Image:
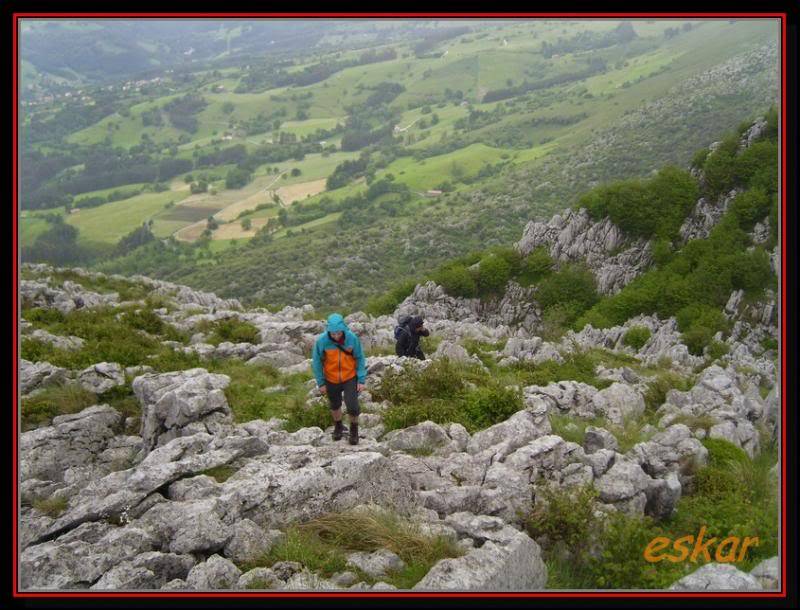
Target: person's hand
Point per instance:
(359, 387)
(323, 389)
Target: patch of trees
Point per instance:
(728, 167)
(672, 32)
(169, 168)
(595, 65)
(277, 153)
(36, 168)
(356, 138)
(225, 156)
(97, 200)
(384, 93)
(346, 172)
(138, 237)
(181, 111)
(71, 117)
(320, 71)
(58, 245)
(586, 41)
(645, 208)
(152, 117)
(109, 167)
(237, 178)
(262, 123)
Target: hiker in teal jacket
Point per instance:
(340, 368)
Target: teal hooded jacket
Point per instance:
(333, 365)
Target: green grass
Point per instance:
(431, 172)
(322, 544)
(220, 473)
(656, 393)
(441, 393)
(232, 330)
(110, 222)
(65, 399)
(52, 507)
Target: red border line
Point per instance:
(403, 15)
(544, 594)
(783, 310)
(14, 294)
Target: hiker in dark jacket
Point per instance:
(407, 335)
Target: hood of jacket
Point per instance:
(336, 323)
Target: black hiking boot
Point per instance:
(338, 430)
(353, 440)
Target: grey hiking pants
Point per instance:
(348, 388)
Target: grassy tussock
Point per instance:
(322, 544)
(232, 330)
(52, 506)
(43, 406)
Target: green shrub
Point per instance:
(42, 317)
(457, 281)
(146, 320)
(697, 338)
(576, 366)
(537, 265)
(757, 166)
(232, 330)
(564, 515)
(441, 393)
(656, 393)
(387, 303)
(645, 208)
(492, 275)
(734, 496)
(107, 339)
(716, 349)
(720, 167)
(699, 158)
(556, 320)
(573, 284)
(621, 565)
(722, 453)
(491, 404)
(636, 337)
(750, 207)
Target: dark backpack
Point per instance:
(401, 327)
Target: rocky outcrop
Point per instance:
(35, 375)
(505, 559)
(67, 298)
(573, 236)
(704, 216)
(57, 341)
(71, 440)
(461, 318)
(730, 403)
(181, 404)
(717, 577)
(102, 377)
